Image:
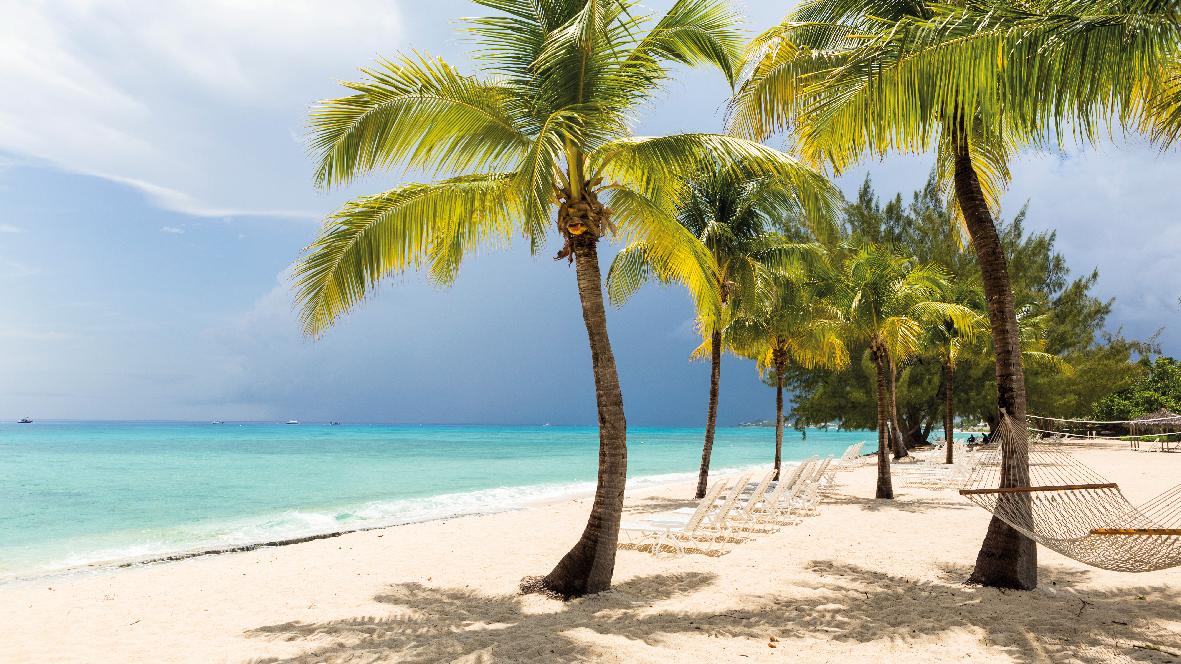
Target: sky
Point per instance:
(155, 187)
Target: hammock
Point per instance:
(1065, 506)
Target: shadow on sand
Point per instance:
(1061, 622)
(902, 503)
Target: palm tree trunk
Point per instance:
(1007, 559)
(895, 431)
(885, 487)
(711, 416)
(588, 567)
(948, 413)
(778, 417)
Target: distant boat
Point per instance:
(218, 422)
(335, 424)
(24, 420)
(292, 421)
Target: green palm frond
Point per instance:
(1162, 108)
(660, 165)
(630, 270)
(373, 237)
(693, 32)
(855, 79)
(414, 112)
(991, 154)
(671, 252)
(966, 321)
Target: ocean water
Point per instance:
(79, 495)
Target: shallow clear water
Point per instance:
(75, 494)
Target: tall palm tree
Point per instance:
(789, 321)
(543, 128)
(733, 214)
(887, 303)
(975, 79)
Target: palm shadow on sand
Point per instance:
(847, 604)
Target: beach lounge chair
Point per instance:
(778, 506)
(718, 518)
(848, 460)
(809, 495)
(744, 514)
(819, 473)
(708, 523)
(669, 530)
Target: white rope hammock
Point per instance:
(1063, 505)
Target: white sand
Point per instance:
(865, 581)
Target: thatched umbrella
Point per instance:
(1161, 421)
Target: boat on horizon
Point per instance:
(24, 420)
(292, 422)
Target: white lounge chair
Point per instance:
(670, 530)
(809, 495)
(744, 515)
(778, 506)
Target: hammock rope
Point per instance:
(1062, 504)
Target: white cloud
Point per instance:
(193, 104)
(9, 228)
(172, 229)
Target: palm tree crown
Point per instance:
(546, 122)
(737, 216)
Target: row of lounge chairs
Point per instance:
(929, 470)
(732, 512)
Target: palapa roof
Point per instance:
(1161, 421)
(1163, 413)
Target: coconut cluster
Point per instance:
(585, 216)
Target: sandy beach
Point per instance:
(863, 581)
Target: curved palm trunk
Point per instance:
(885, 487)
(588, 567)
(778, 418)
(895, 430)
(1007, 559)
(948, 413)
(711, 417)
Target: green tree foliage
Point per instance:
(1070, 319)
(1157, 386)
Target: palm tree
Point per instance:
(732, 214)
(974, 80)
(951, 339)
(887, 302)
(543, 128)
(788, 322)
(836, 72)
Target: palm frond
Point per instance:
(373, 237)
(671, 252)
(416, 112)
(661, 166)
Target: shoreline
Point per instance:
(861, 581)
(117, 564)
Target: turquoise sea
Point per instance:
(79, 495)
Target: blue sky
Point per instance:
(154, 188)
